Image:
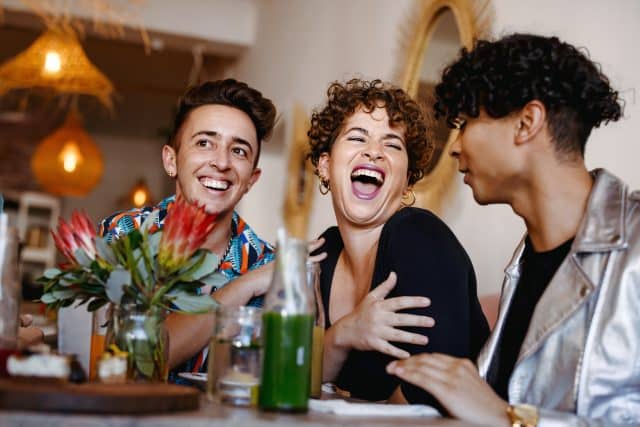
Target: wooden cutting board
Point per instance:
(96, 398)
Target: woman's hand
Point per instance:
(312, 246)
(374, 322)
(456, 384)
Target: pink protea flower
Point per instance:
(78, 234)
(186, 228)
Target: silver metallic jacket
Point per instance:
(580, 359)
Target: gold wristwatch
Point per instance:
(523, 415)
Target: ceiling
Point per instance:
(147, 86)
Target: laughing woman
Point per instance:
(396, 281)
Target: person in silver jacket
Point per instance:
(525, 106)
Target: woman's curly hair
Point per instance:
(344, 99)
(504, 75)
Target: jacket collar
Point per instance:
(603, 227)
(602, 230)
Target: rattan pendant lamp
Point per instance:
(56, 60)
(67, 162)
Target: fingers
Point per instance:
(317, 258)
(312, 246)
(411, 374)
(435, 366)
(411, 320)
(26, 320)
(384, 347)
(398, 335)
(402, 303)
(383, 289)
(315, 244)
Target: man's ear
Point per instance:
(532, 119)
(255, 175)
(169, 160)
(323, 166)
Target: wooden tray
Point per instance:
(96, 398)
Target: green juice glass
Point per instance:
(286, 369)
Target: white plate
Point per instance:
(199, 378)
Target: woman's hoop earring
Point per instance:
(323, 186)
(413, 198)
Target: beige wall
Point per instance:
(301, 46)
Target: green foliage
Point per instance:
(128, 270)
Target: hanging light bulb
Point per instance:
(67, 162)
(70, 156)
(52, 62)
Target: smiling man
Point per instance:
(213, 156)
(566, 344)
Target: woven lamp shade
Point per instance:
(67, 162)
(56, 60)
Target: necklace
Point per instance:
(226, 252)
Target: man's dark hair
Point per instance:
(504, 75)
(232, 93)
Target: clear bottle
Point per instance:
(287, 326)
(10, 292)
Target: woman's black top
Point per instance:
(429, 261)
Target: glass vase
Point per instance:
(142, 333)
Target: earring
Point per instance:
(171, 174)
(413, 198)
(323, 186)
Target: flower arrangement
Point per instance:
(146, 267)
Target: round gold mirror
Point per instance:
(432, 39)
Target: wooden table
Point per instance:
(212, 414)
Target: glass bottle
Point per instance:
(313, 281)
(287, 326)
(10, 292)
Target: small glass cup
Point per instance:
(235, 356)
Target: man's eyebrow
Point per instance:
(242, 141)
(212, 133)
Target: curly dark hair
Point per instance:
(504, 75)
(344, 99)
(232, 93)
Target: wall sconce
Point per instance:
(140, 195)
